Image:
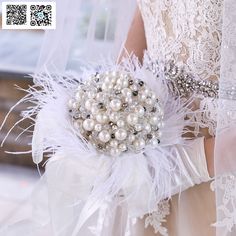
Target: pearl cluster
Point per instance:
(117, 113)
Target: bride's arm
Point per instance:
(136, 41)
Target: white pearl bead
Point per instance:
(114, 116)
(122, 147)
(154, 120)
(153, 96)
(120, 123)
(77, 124)
(147, 127)
(114, 143)
(154, 143)
(142, 96)
(74, 105)
(146, 91)
(105, 87)
(89, 103)
(134, 87)
(98, 127)
(138, 127)
(107, 79)
(104, 136)
(121, 134)
(88, 124)
(115, 152)
(126, 92)
(70, 103)
(132, 119)
(129, 100)
(94, 109)
(100, 97)
(91, 94)
(115, 104)
(139, 110)
(78, 96)
(102, 118)
(131, 138)
(139, 144)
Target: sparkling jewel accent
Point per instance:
(117, 113)
(184, 84)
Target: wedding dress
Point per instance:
(188, 33)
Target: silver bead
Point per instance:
(132, 119)
(88, 124)
(121, 134)
(104, 136)
(115, 104)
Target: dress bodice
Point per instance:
(186, 31)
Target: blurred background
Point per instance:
(19, 53)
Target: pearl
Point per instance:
(122, 147)
(146, 91)
(128, 100)
(154, 120)
(114, 116)
(89, 103)
(122, 82)
(154, 142)
(91, 94)
(126, 92)
(77, 124)
(138, 127)
(142, 96)
(131, 138)
(139, 110)
(88, 124)
(94, 109)
(104, 136)
(115, 152)
(147, 127)
(98, 127)
(121, 134)
(132, 119)
(120, 123)
(78, 96)
(70, 103)
(115, 104)
(114, 143)
(102, 118)
(134, 87)
(139, 144)
(74, 105)
(100, 97)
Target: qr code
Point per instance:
(40, 15)
(29, 15)
(16, 14)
